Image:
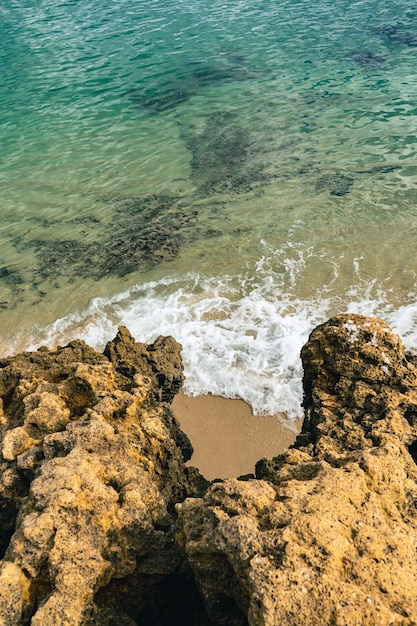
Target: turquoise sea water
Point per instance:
(228, 172)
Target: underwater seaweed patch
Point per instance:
(10, 276)
(397, 34)
(163, 99)
(379, 169)
(169, 93)
(368, 60)
(223, 156)
(12, 284)
(144, 232)
(68, 257)
(337, 184)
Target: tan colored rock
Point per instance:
(90, 501)
(14, 594)
(15, 442)
(45, 412)
(92, 468)
(327, 532)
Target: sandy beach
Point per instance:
(227, 438)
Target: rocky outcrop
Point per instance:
(92, 463)
(102, 523)
(327, 532)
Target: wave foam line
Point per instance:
(241, 339)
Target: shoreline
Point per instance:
(227, 438)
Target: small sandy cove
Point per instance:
(227, 438)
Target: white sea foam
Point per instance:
(241, 336)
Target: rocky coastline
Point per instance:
(102, 522)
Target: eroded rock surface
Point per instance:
(102, 524)
(327, 532)
(91, 465)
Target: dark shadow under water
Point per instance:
(189, 81)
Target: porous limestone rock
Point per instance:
(90, 471)
(102, 524)
(326, 533)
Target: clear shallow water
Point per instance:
(230, 173)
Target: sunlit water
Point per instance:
(228, 172)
